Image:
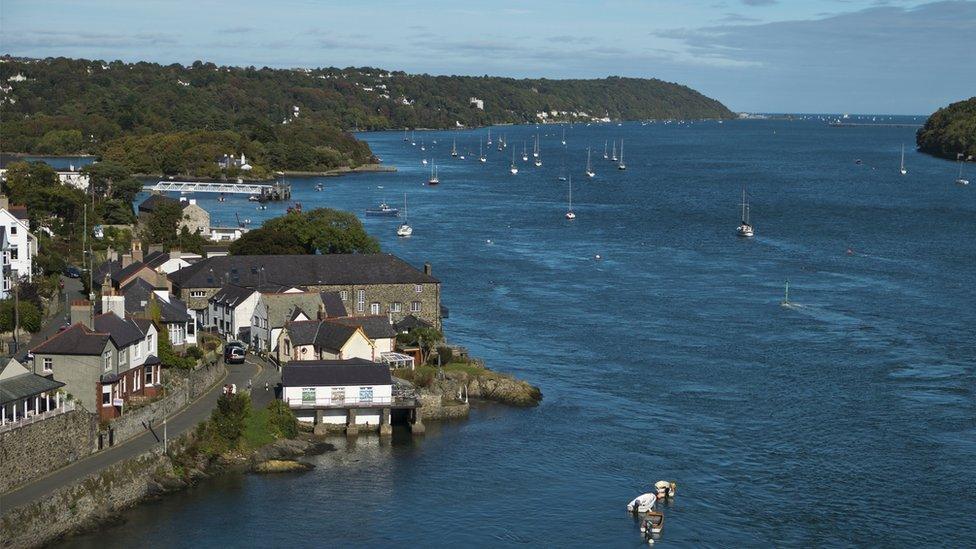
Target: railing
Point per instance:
(66, 406)
(376, 402)
(209, 187)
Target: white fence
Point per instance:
(66, 406)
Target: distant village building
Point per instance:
(231, 161)
(74, 179)
(195, 218)
(18, 247)
(477, 103)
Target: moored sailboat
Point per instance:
(404, 229)
(570, 214)
(481, 151)
(434, 180)
(621, 165)
(960, 180)
(589, 167)
(513, 169)
(903, 170)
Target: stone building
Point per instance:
(195, 218)
(367, 284)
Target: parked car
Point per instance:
(72, 272)
(234, 354)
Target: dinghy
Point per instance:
(653, 524)
(642, 503)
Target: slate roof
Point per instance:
(231, 295)
(106, 268)
(123, 275)
(26, 385)
(137, 295)
(375, 326)
(299, 270)
(326, 334)
(332, 373)
(123, 332)
(18, 211)
(76, 340)
(150, 204)
(281, 307)
(333, 304)
(410, 322)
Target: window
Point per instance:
(197, 293)
(107, 360)
(14, 255)
(191, 327)
(360, 300)
(396, 307)
(123, 356)
(137, 351)
(106, 395)
(149, 375)
(374, 308)
(150, 346)
(344, 295)
(308, 395)
(415, 307)
(13, 230)
(48, 364)
(136, 380)
(418, 288)
(365, 394)
(338, 395)
(124, 378)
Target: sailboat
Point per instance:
(538, 160)
(903, 170)
(423, 161)
(589, 168)
(564, 135)
(423, 147)
(433, 175)
(481, 151)
(535, 151)
(613, 155)
(405, 139)
(569, 213)
(454, 148)
(489, 137)
(514, 168)
(621, 165)
(413, 142)
(786, 296)
(525, 156)
(744, 229)
(605, 155)
(960, 180)
(404, 229)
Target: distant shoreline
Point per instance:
(366, 168)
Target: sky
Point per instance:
(807, 56)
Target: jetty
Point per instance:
(265, 191)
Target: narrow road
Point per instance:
(181, 422)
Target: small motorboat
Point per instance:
(253, 198)
(383, 210)
(319, 186)
(643, 503)
(653, 524)
(665, 489)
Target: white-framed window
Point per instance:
(344, 295)
(197, 293)
(48, 364)
(374, 308)
(419, 288)
(13, 230)
(396, 307)
(123, 391)
(123, 356)
(107, 360)
(338, 395)
(106, 395)
(150, 344)
(149, 375)
(360, 300)
(365, 394)
(308, 395)
(14, 254)
(136, 381)
(414, 306)
(137, 351)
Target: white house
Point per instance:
(227, 234)
(353, 392)
(74, 179)
(231, 309)
(377, 328)
(273, 310)
(323, 340)
(18, 247)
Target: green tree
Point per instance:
(322, 230)
(427, 339)
(30, 316)
(61, 142)
(162, 226)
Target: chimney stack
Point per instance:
(175, 253)
(112, 302)
(427, 269)
(322, 314)
(4, 202)
(126, 260)
(81, 311)
(136, 250)
(111, 254)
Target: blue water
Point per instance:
(847, 419)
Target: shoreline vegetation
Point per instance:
(950, 132)
(178, 120)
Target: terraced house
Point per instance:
(103, 361)
(367, 284)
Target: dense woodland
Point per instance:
(177, 119)
(950, 131)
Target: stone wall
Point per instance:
(85, 503)
(184, 389)
(434, 407)
(34, 450)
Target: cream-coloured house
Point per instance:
(323, 340)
